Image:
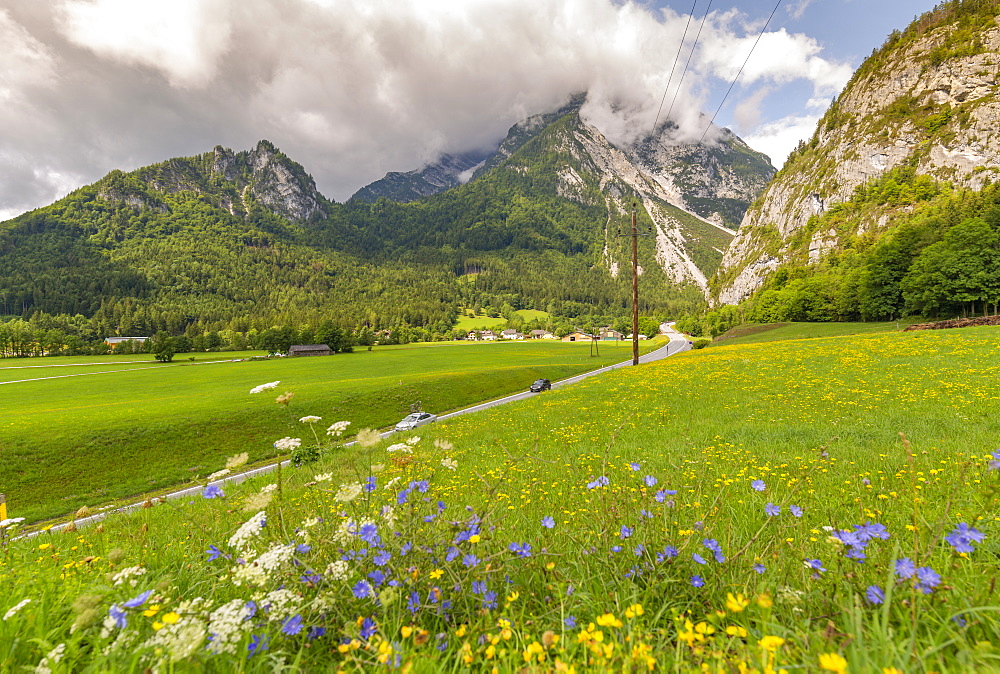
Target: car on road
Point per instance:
(415, 419)
(540, 385)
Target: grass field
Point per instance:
(484, 322)
(773, 332)
(89, 430)
(735, 509)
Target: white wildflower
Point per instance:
(248, 531)
(444, 445)
(52, 658)
(264, 387)
(326, 602)
(226, 625)
(237, 460)
(10, 522)
(180, 640)
(400, 447)
(311, 419)
(287, 444)
(390, 483)
(348, 492)
(14, 609)
(219, 473)
(257, 571)
(257, 501)
(280, 604)
(268, 488)
(347, 531)
(129, 573)
(368, 437)
(450, 464)
(414, 440)
(309, 523)
(323, 477)
(338, 428)
(389, 515)
(338, 570)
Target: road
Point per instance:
(677, 344)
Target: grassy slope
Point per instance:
(85, 440)
(774, 332)
(817, 420)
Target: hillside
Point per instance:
(917, 119)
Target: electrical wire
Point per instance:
(728, 91)
(677, 58)
(690, 56)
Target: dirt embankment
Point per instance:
(956, 323)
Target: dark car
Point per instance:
(540, 385)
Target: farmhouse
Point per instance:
(511, 334)
(487, 335)
(576, 337)
(609, 334)
(309, 350)
(541, 334)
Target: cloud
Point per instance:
(777, 139)
(349, 88)
(798, 8)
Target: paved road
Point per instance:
(676, 344)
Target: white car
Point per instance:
(416, 419)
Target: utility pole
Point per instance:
(635, 234)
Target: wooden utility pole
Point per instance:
(635, 234)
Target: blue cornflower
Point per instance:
(875, 594)
(377, 576)
(402, 497)
(369, 485)
(361, 589)
(639, 550)
(213, 491)
(213, 553)
(479, 587)
(634, 466)
(369, 534)
(570, 590)
(995, 462)
(138, 601)
(662, 494)
(303, 548)
(668, 552)
(650, 481)
(315, 632)
(413, 602)
(758, 485)
(759, 568)
(962, 537)
(959, 620)
(452, 553)
(772, 510)
(795, 510)
(815, 564)
(548, 522)
(870, 530)
(258, 644)
(292, 626)
(368, 628)
(905, 568)
(313, 578)
(602, 481)
(927, 579)
(490, 600)
(407, 546)
(569, 621)
(422, 486)
(625, 532)
(712, 544)
(697, 581)
(382, 558)
(698, 558)
(251, 607)
(118, 615)
(616, 548)
(645, 513)
(470, 560)
(520, 549)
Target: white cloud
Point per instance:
(798, 8)
(350, 88)
(777, 139)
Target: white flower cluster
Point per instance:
(391, 483)
(180, 640)
(52, 658)
(287, 444)
(264, 387)
(338, 428)
(280, 604)
(14, 609)
(10, 522)
(450, 464)
(248, 531)
(347, 531)
(323, 477)
(268, 488)
(414, 440)
(129, 573)
(226, 625)
(237, 460)
(444, 444)
(217, 474)
(311, 419)
(348, 492)
(256, 571)
(338, 570)
(400, 447)
(389, 515)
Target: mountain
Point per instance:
(916, 124)
(446, 172)
(244, 239)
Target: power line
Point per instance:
(677, 57)
(728, 91)
(690, 56)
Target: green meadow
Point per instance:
(776, 332)
(825, 504)
(90, 430)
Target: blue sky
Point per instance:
(353, 89)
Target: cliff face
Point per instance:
(927, 99)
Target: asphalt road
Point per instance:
(677, 344)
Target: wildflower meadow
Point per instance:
(807, 505)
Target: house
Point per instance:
(541, 334)
(488, 335)
(511, 334)
(609, 334)
(309, 350)
(473, 335)
(113, 341)
(577, 337)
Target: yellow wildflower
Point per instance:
(608, 620)
(833, 662)
(771, 643)
(634, 610)
(436, 573)
(171, 618)
(737, 603)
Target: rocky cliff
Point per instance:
(926, 99)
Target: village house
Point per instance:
(309, 350)
(487, 335)
(609, 334)
(577, 337)
(541, 334)
(511, 334)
